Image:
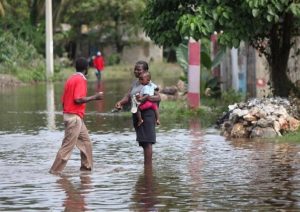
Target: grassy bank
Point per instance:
(291, 137)
(178, 110)
(122, 71)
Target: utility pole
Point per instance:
(49, 41)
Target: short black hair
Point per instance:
(81, 64)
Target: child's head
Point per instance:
(145, 78)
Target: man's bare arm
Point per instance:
(97, 96)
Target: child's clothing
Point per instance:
(148, 90)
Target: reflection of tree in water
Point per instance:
(274, 173)
(283, 160)
(75, 195)
(146, 191)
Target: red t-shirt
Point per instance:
(99, 63)
(75, 88)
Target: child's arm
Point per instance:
(143, 98)
(155, 97)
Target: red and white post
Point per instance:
(193, 96)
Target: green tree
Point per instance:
(2, 8)
(113, 21)
(268, 25)
(23, 22)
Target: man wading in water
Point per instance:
(74, 101)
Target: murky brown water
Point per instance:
(194, 169)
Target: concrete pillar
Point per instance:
(49, 41)
(235, 69)
(193, 96)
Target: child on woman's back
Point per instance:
(147, 90)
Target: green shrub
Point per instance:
(179, 110)
(113, 59)
(231, 96)
(19, 58)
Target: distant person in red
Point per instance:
(74, 101)
(99, 65)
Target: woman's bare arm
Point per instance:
(124, 100)
(155, 97)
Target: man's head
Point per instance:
(82, 65)
(98, 53)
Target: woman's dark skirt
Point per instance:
(145, 133)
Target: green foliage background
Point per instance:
(20, 58)
(269, 26)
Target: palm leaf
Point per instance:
(182, 56)
(218, 58)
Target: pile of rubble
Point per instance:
(263, 118)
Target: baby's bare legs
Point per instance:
(139, 116)
(157, 117)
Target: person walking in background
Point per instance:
(74, 101)
(98, 63)
(145, 133)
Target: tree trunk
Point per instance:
(37, 10)
(119, 45)
(280, 45)
(59, 9)
(251, 74)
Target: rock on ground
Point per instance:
(263, 118)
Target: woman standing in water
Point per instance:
(145, 133)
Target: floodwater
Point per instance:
(194, 168)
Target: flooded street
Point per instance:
(194, 168)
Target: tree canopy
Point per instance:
(113, 21)
(268, 25)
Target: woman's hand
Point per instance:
(118, 105)
(123, 101)
(138, 97)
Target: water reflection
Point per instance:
(50, 106)
(276, 180)
(195, 159)
(75, 194)
(100, 105)
(145, 196)
(283, 173)
(194, 168)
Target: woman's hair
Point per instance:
(144, 64)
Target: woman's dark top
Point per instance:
(145, 133)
